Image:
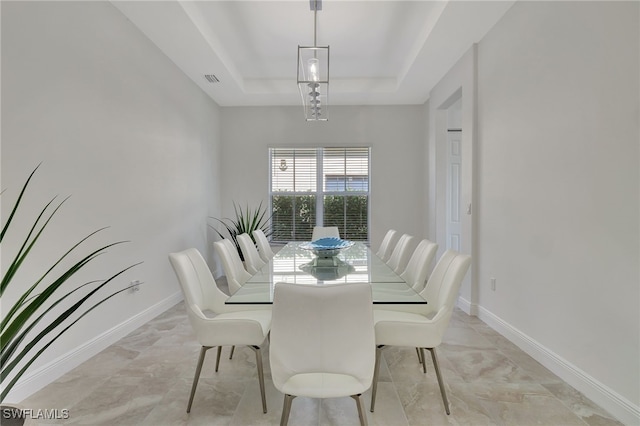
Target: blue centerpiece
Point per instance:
(327, 247)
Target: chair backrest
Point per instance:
(240, 270)
(251, 256)
(400, 256)
(235, 256)
(198, 286)
(388, 243)
(325, 231)
(264, 248)
(418, 267)
(445, 280)
(233, 269)
(326, 329)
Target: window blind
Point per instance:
(319, 186)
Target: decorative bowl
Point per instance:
(327, 247)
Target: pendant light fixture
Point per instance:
(313, 73)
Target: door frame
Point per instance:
(459, 82)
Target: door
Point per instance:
(454, 168)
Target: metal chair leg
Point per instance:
(361, 413)
(218, 358)
(376, 372)
(233, 348)
(420, 357)
(286, 409)
(256, 349)
(440, 381)
(424, 364)
(203, 351)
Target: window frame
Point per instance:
(320, 192)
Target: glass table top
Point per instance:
(294, 264)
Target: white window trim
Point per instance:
(319, 192)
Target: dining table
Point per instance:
(296, 263)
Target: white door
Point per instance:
(454, 167)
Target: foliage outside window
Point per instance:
(319, 187)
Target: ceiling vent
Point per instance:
(211, 78)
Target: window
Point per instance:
(319, 186)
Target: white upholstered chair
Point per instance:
(325, 231)
(232, 265)
(401, 254)
(388, 243)
(230, 325)
(264, 248)
(424, 331)
(322, 342)
(415, 274)
(252, 258)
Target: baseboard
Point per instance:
(36, 380)
(468, 307)
(623, 409)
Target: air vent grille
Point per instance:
(211, 78)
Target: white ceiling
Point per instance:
(383, 52)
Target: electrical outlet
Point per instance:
(135, 286)
(493, 284)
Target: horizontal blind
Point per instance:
(342, 199)
(293, 170)
(345, 169)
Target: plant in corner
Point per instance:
(44, 310)
(247, 220)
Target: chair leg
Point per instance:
(440, 381)
(424, 364)
(203, 352)
(233, 348)
(376, 372)
(286, 409)
(256, 349)
(420, 357)
(218, 358)
(361, 413)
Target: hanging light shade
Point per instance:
(313, 74)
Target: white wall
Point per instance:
(558, 191)
(121, 129)
(395, 133)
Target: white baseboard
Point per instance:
(623, 409)
(36, 380)
(468, 307)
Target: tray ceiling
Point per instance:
(382, 52)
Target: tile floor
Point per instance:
(145, 379)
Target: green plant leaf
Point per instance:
(18, 325)
(54, 324)
(246, 221)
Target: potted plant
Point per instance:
(44, 309)
(247, 220)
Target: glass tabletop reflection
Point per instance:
(294, 264)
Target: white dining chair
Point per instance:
(232, 265)
(322, 342)
(230, 325)
(264, 248)
(424, 330)
(415, 274)
(324, 231)
(232, 248)
(401, 254)
(252, 259)
(388, 244)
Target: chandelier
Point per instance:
(313, 73)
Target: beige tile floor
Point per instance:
(145, 378)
